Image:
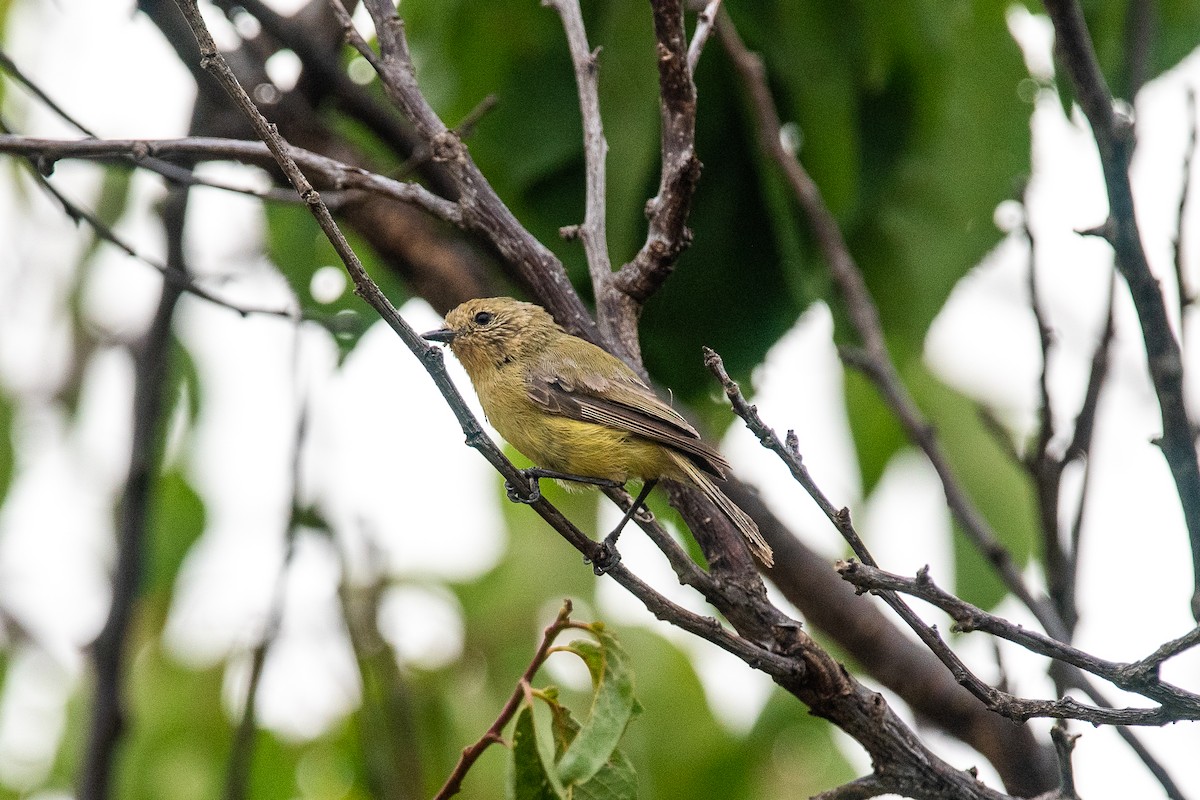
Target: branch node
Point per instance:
(1106, 230)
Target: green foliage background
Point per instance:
(908, 116)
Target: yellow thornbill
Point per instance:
(577, 411)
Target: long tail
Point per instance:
(740, 519)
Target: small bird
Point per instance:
(578, 412)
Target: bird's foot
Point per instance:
(606, 556)
(528, 494)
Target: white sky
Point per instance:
(54, 555)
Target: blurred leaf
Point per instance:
(877, 434)
(178, 521)
(184, 379)
(531, 777)
(613, 705)
(298, 247)
(7, 461)
(1174, 34)
(178, 737)
(999, 487)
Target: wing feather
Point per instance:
(607, 392)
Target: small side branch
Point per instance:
(1064, 744)
(471, 754)
(705, 24)
(1187, 294)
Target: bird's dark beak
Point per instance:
(443, 335)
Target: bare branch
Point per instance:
(1186, 293)
(178, 279)
(151, 361)
(1114, 136)
(340, 176)
(595, 148)
(668, 211)
(1046, 468)
(1064, 743)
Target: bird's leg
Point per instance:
(608, 555)
(534, 474)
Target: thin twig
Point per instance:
(1130, 737)
(176, 278)
(1046, 468)
(668, 211)
(171, 172)
(482, 211)
(1064, 743)
(866, 575)
(1186, 293)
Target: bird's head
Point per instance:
(492, 331)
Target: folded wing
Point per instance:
(608, 392)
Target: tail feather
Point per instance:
(740, 519)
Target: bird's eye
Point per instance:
(483, 318)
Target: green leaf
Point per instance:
(613, 705)
(616, 780)
(531, 777)
(877, 434)
(1174, 35)
(298, 247)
